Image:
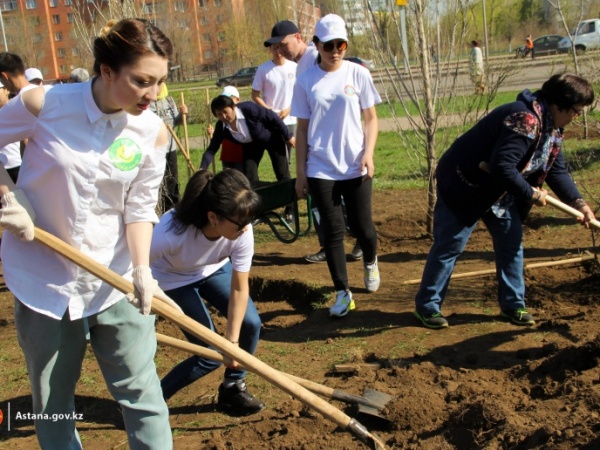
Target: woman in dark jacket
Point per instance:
(494, 172)
(256, 128)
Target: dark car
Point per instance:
(544, 45)
(363, 62)
(242, 77)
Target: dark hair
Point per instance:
(475, 43)
(315, 41)
(11, 63)
(122, 43)
(220, 102)
(227, 194)
(566, 90)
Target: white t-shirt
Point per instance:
(276, 84)
(333, 102)
(307, 60)
(10, 155)
(86, 174)
(181, 259)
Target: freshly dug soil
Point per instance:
(483, 383)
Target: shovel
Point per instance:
(552, 201)
(572, 211)
(373, 401)
(232, 351)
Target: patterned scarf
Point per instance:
(547, 147)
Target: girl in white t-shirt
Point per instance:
(94, 162)
(334, 155)
(202, 252)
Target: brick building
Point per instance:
(208, 35)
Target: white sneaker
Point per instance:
(343, 304)
(372, 279)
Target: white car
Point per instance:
(585, 37)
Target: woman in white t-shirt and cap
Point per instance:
(334, 155)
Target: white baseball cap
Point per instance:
(331, 27)
(33, 74)
(230, 91)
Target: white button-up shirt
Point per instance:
(86, 174)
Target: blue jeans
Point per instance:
(124, 343)
(214, 289)
(450, 237)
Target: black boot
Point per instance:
(238, 401)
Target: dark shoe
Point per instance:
(434, 321)
(518, 316)
(356, 254)
(238, 401)
(318, 257)
(289, 218)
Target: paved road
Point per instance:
(519, 74)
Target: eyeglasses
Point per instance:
(240, 226)
(339, 45)
(576, 112)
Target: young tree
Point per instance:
(430, 86)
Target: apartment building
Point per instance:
(55, 35)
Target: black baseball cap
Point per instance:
(280, 31)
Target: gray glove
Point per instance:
(17, 215)
(146, 287)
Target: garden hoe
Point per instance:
(162, 308)
(372, 403)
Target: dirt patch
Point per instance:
(482, 383)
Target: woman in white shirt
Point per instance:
(94, 162)
(334, 155)
(202, 252)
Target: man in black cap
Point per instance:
(292, 46)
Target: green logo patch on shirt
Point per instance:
(125, 154)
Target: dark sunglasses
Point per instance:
(340, 45)
(240, 226)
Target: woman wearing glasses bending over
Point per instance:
(202, 252)
(335, 155)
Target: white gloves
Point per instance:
(145, 287)
(17, 215)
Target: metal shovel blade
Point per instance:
(376, 398)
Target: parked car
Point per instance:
(242, 77)
(363, 62)
(585, 37)
(544, 45)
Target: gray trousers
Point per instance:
(124, 344)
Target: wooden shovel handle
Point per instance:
(183, 150)
(317, 388)
(204, 334)
(552, 201)
(569, 210)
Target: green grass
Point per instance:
(200, 116)
(400, 162)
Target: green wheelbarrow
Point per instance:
(276, 196)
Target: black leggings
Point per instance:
(327, 194)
